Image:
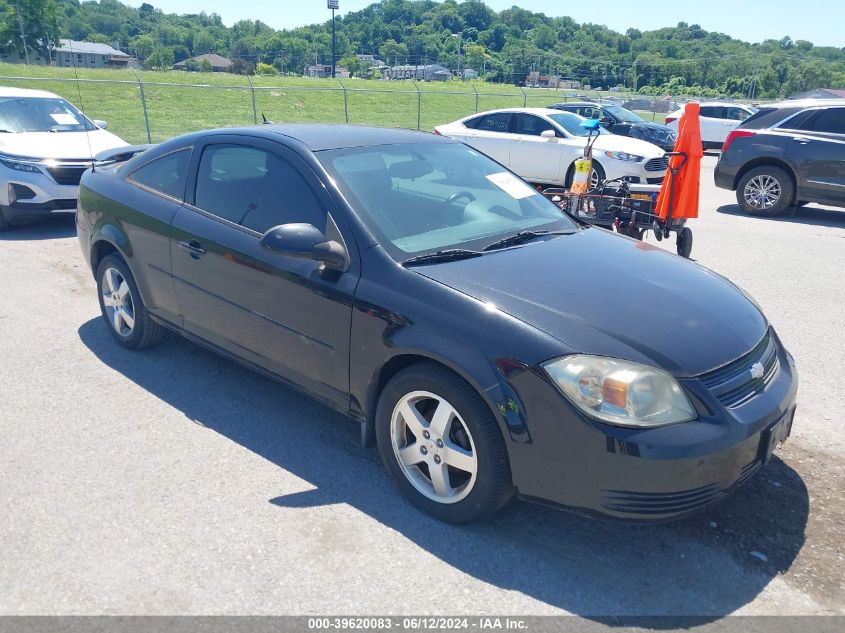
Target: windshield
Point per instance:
(622, 114)
(571, 122)
(425, 197)
(27, 114)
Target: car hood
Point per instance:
(616, 143)
(653, 130)
(59, 145)
(604, 294)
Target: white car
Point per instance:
(717, 121)
(45, 146)
(541, 145)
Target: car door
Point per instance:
(711, 119)
(734, 115)
(817, 149)
(158, 188)
(533, 157)
(490, 134)
(287, 315)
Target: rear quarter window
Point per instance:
(166, 174)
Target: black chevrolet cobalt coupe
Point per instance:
(489, 344)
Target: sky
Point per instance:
(819, 21)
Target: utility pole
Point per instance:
(23, 36)
(334, 5)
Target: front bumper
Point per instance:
(647, 474)
(31, 195)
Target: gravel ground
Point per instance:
(172, 481)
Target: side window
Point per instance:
(531, 125)
(830, 121)
(498, 122)
(255, 188)
(713, 112)
(166, 174)
(736, 114)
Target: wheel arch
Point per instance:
(766, 161)
(405, 359)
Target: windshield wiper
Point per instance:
(448, 255)
(522, 237)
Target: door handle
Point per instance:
(193, 248)
(801, 139)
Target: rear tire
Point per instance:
(683, 243)
(441, 445)
(122, 308)
(765, 190)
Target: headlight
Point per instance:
(621, 392)
(17, 166)
(624, 156)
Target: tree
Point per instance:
(392, 51)
(39, 21)
(352, 63)
(266, 69)
(205, 66)
(142, 46)
(161, 58)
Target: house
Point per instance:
(70, 53)
(427, 72)
(370, 59)
(821, 93)
(538, 80)
(219, 64)
(470, 73)
(322, 71)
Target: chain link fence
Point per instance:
(142, 111)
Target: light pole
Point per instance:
(334, 5)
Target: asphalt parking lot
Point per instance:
(172, 481)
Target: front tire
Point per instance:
(766, 190)
(121, 306)
(441, 445)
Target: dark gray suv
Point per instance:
(788, 154)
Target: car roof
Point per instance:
(6, 91)
(540, 111)
(320, 136)
(592, 104)
(805, 103)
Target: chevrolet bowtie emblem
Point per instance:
(757, 370)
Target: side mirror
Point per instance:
(549, 135)
(306, 242)
(103, 125)
(606, 120)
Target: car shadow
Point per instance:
(54, 227)
(700, 566)
(817, 216)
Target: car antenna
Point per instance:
(82, 106)
(264, 120)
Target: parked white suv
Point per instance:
(717, 121)
(541, 145)
(45, 146)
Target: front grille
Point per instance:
(657, 164)
(734, 385)
(68, 174)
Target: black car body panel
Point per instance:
(655, 133)
(493, 320)
(786, 135)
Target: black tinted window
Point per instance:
(499, 122)
(714, 112)
(255, 188)
(166, 174)
(532, 125)
(736, 114)
(831, 121)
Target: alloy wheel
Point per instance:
(434, 447)
(762, 192)
(117, 302)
